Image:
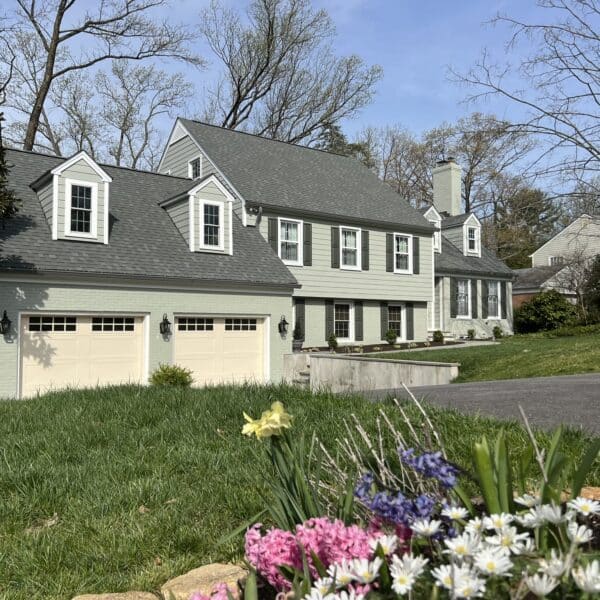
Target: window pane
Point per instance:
(463, 298)
(395, 319)
(289, 233)
(402, 244)
(81, 197)
(341, 325)
(212, 225)
(402, 262)
(195, 168)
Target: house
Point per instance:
(473, 287)
(560, 263)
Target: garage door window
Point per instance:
(195, 324)
(52, 323)
(240, 324)
(113, 324)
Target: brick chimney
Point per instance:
(447, 187)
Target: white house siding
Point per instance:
(18, 296)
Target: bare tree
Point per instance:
(280, 77)
(56, 38)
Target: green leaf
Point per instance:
(504, 484)
(464, 498)
(251, 587)
(233, 534)
(482, 462)
(587, 462)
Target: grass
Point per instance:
(143, 481)
(518, 357)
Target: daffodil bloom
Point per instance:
(272, 422)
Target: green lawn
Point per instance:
(95, 458)
(517, 357)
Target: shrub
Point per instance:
(332, 341)
(497, 332)
(438, 336)
(546, 311)
(298, 334)
(391, 336)
(171, 375)
(471, 334)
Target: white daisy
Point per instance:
(324, 585)
(497, 521)
(405, 570)
(474, 527)
(469, 586)
(527, 500)
(493, 561)
(552, 513)
(456, 513)
(541, 585)
(533, 518)
(446, 575)
(341, 573)
(579, 534)
(588, 578)
(554, 566)
(366, 570)
(508, 539)
(584, 506)
(425, 528)
(462, 545)
(348, 595)
(315, 594)
(388, 543)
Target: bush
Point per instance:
(332, 341)
(471, 334)
(546, 311)
(438, 336)
(298, 334)
(497, 332)
(171, 375)
(391, 336)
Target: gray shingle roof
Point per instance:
(452, 261)
(534, 277)
(144, 242)
(455, 220)
(286, 176)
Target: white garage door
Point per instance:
(60, 351)
(220, 350)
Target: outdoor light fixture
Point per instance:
(165, 326)
(283, 325)
(5, 324)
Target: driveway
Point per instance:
(547, 401)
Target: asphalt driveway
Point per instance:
(547, 401)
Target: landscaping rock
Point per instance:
(203, 580)
(121, 596)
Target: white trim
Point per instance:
(433, 298)
(191, 222)
(93, 234)
(559, 264)
(409, 270)
(267, 348)
(351, 331)
(358, 266)
(146, 369)
(214, 180)
(19, 367)
(498, 315)
(189, 169)
(402, 305)
(55, 179)
(437, 218)
(221, 206)
(300, 223)
(477, 230)
(469, 300)
(106, 212)
(230, 229)
(88, 160)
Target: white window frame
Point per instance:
(560, 262)
(498, 314)
(300, 223)
(477, 250)
(201, 243)
(469, 300)
(93, 233)
(351, 331)
(402, 307)
(190, 171)
(409, 270)
(358, 266)
(437, 238)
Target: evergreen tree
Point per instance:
(333, 140)
(8, 199)
(591, 289)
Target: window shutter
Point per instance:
(335, 247)
(416, 256)
(365, 250)
(453, 297)
(273, 238)
(473, 298)
(410, 321)
(389, 252)
(383, 308)
(485, 292)
(307, 243)
(358, 321)
(503, 289)
(300, 307)
(328, 318)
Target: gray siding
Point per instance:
(180, 214)
(46, 197)
(212, 192)
(455, 235)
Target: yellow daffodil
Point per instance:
(271, 422)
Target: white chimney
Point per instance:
(447, 195)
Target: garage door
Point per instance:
(220, 350)
(58, 351)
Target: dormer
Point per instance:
(75, 198)
(204, 216)
(434, 217)
(472, 236)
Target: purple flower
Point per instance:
(432, 465)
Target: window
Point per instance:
(437, 239)
(350, 248)
(211, 225)
(290, 241)
(52, 323)
(472, 239)
(195, 168)
(342, 320)
(493, 299)
(113, 324)
(395, 319)
(554, 261)
(240, 324)
(81, 209)
(195, 324)
(402, 253)
(463, 299)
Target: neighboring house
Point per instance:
(472, 286)
(530, 282)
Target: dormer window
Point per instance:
(211, 225)
(473, 240)
(80, 208)
(437, 239)
(195, 168)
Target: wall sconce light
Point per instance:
(5, 324)
(283, 325)
(165, 326)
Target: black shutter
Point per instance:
(485, 292)
(416, 256)
(273, 241)
(300, 307)
(335, 247)
(473, 298)
(453, 297)
(365, 250)
(328, 318)
(358, 321)
(410, 321)
(503, 290)
(383, 309)
(389, 252)
(307, 243)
